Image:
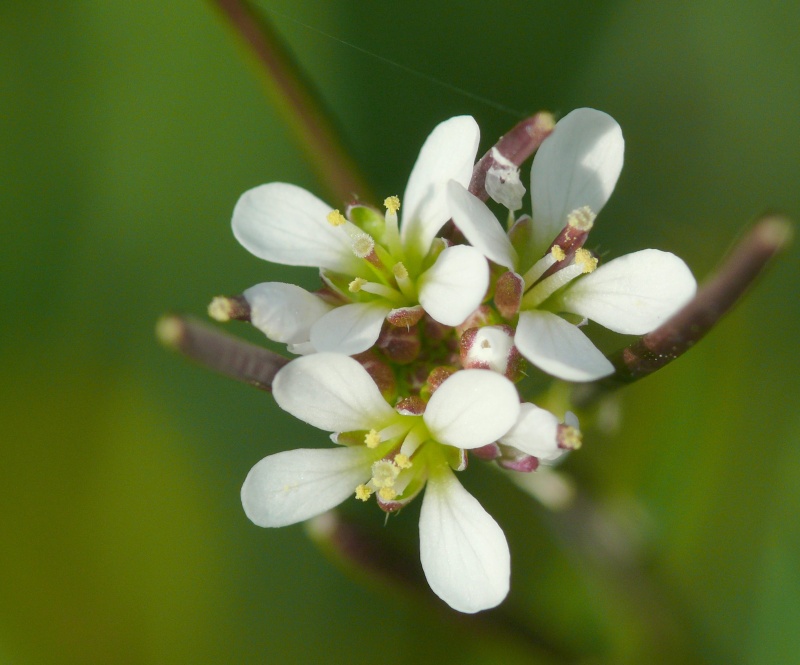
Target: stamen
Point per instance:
(356, 284)
(404, 282)
(387, 493)
(539, 268)
(584, 259)
(392, 204)
(569, 438)
(392, 295)
(372, 439)
(549, 285)
(402, 461)
(363, 493)
(335, 218)
(558, 253)
(391, 231)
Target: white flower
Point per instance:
(393, 453)
(573, 175)
(373, 266)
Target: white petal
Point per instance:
(286, 224)
(480, 226)
(535, 433)
(284, 312)
(463, 551)
(453, 287)
(559, 348)
(632, 294)
(332, 392)
(448, 154)
(349, 329)
(295, 485)
(472, 408)
(577, 165)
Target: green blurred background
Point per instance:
(127, 132)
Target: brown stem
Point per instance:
(301, 107)
(219, 351)
(754, 251)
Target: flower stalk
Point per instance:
(748, 259)
(295, 97)
(220, 352)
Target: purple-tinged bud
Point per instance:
(435, 331)
(483, 316)
(413, 405)
(515, 460)
(400, 345)
(381, 374)
(491, 347)
(508, 293)
(436, 378)
(487, 453)
(405, 317)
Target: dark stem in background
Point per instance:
(295, 97)
(749, 257)
(367, 554)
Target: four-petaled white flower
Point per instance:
(573, 175)
(393, 453)
(374, 267)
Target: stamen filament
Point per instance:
(404, 282)
(414, 439)
(391, 233)
(392, 295)
(548, 286)
(538, 269)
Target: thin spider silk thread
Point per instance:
(404, 68)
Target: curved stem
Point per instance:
(295, 97)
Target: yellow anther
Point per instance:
(392, 204)
(570, 438)
(372, 439)
(356, 284)
(387, 493)
(558, 253)
(363, 492)
(585, 260)
(581, 218)
(335, 218)
(402, 461)
(400, 271)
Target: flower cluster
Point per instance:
(411, 351)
